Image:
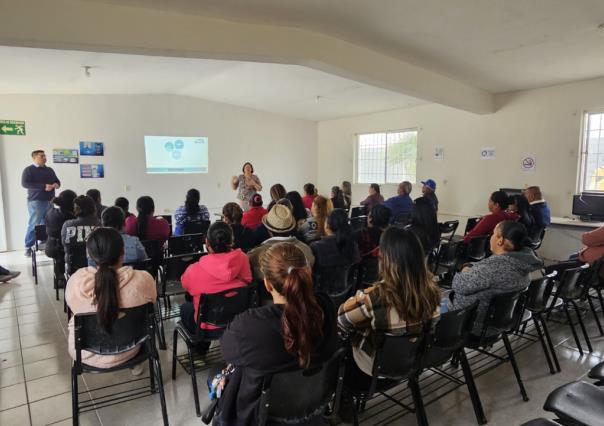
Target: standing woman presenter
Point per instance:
(246, 185)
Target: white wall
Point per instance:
(543, 122)
(236, 135)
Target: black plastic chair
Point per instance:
(58, 275)
(402, 220)
(571, 289)
(339, 282)
(447, 230)
(155, 252)
(597, 373)
(75, 258)
(357, 223)
(302, 396)
(397, 359)
(471, 223)
(134, 327)
(448, 256)
(540, 422)
(476, 248)
(40, 238)
(368, 272)
(217, 309)
(577, 403)
(185, 244)
(503, 317)
(537, 297)
(447, 342)
(168, 218)
(357, 211)
(536, 243)
(196, 227)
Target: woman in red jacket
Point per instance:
(222, 269)
(253, 217)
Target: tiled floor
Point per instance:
(35, 366)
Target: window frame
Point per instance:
(357, 142)
(584, 153)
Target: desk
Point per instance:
(563, 237)
(569, 221)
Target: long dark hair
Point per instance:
(338, 223)
(113, 217)
(406, 285)
(423, 216)
(220, 237)
(522, 209)
(515, 233)
(285, 268)
(145, 208)
(84, 206)
(277, 192)
(105, 246)
(337, 198)
(192, 202)
(299, 211)
(65, 201)
(122, 203)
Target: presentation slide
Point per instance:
(174, 154)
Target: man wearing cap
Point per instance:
(281, 226)
(428, 188)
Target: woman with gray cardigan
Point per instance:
(506, 270)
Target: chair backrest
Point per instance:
(185, 244)
(402, 219)
(571, 286)
(338, 282)
(168, 218)
(449, 335)
(300, 396)
(144, 265)
(397, 356)
(76, 257)
(357, 211)
(447, 229)
(476, 247)
(539, 292)
(591, 277)
(358, 222)
(471, 223)
(536, 243)
(368, 272)
(131, 328)
(40, 233)
(504, 312)
(196, 227)
(219, 309)
(175, 266)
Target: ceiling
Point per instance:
(495, 45)
(289, 90)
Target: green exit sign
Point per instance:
(12, 127)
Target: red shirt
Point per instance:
(253, 217)
(487, 224)
(158, 228)
(307, 200)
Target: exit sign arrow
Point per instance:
(12, 127)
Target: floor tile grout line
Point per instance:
(23, 366)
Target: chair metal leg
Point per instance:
(552, 349)
(161, 335)
(572, 328)
(75, 409)
(512, 358)
(174, 343)
(593, 311)
(544, 346)
(194, 382)
(34, 265)
(420, 411)
(474, 396)
(160, 385)
(582, 325)
(152, 376)
(599, 292)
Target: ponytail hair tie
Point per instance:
(290, 269)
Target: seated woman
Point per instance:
(146, 226)
(337, 198)
(297, 330)
(55, 218)
(191, 211)
(221, 269)
(124, 204)
(403, 299)
(520, 205)
(506, 270)
(314, 227)
(298, 209)
(373, 198)
(75, 232)
(113, 217)
(337, 247)
(243, 237)
(310, 193)
(105, 290)
(277, 192)
(253, 217)
(425, 225)
(368, 238)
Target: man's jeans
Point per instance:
(37, 211)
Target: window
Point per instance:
(592, 153)
(388, 157)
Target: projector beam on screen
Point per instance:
(176, 154)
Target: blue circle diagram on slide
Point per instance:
(169, 146)
(178, 144)
(176, 155)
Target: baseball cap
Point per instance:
(430, 184)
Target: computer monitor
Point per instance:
(511, 191)
(589, 207)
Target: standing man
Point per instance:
(428, 188)
(40, 182)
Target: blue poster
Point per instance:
(92, 171)
(92, 148)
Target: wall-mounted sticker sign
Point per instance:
(12, 127)
(88, 171)
(65, 156)
(439, 153)
(487, 154)
(92, 148)
(529, 163)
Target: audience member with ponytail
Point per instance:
(403, 299)
(338, 247)
(146, 226)
(296, 331)
(221, 269)
(506, 270)
(314, 228)
(105, 289)
(55, 218)
(191, 211)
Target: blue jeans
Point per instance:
(37, 211)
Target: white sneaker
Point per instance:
(137, 370)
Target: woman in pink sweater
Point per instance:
(594, 245)
(105, 290)
(222, 269)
